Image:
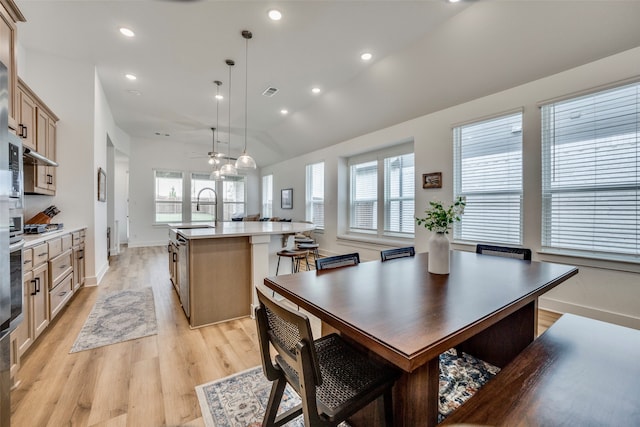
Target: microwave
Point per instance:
(16, 219)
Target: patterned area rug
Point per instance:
(240, 400)
(116, 317)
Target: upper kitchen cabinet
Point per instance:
(9, 15)
(38, 178)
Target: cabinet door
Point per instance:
(27, 120)
(24, 337)
(51, 154)
(8, 37)
(40, 300)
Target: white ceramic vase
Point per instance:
(439, 254)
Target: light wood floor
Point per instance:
(145, 382)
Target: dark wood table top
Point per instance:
(580, 372)
(409, 316)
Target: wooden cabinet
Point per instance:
(78, 266)
(173, 265)
(37, 127)
(9, 15)
(40, 300)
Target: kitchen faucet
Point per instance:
(215, 197)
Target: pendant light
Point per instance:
(215, 173)
(245, 161)
(228, 169)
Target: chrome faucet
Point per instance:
(215, 197)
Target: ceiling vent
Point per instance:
(270, 91)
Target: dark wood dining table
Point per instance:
(399, 311)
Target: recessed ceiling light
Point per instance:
(284, 111)
(366, 56)
(127, 32)
(316, 90)
(454, 1)
(130, 76)
(219, 97)
(275, 15)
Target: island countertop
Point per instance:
(239, 228)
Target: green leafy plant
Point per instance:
(439, 218)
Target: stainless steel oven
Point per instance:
(16, 219)
(17, 283)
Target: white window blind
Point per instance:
(399, 190)
(233, 197)
(488, 173)
(364, 196)
(207, 212)
(315, 194)
(267, 196)
(168, 196)
(591, 173)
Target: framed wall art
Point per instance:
(286, 198)
(432, 180)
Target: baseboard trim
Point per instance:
(591, 312)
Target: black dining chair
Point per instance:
(333, 378)
(345, 260)
(504, 251)
(388, 254)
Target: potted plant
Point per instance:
(439, 220)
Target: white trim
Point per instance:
(550, 304)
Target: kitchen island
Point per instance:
(219, 265)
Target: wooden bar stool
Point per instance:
(296, 257)
(311, 247)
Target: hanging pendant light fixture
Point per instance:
(228, 169)
(215, 173)
(245, 161)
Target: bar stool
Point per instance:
(296, 257)
(311, 247)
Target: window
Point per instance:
(591, 173)
(488, 173)
(385, 178)
(168, 196)
(267, 196)
(315, 194)
(233, 197)
(202, 185)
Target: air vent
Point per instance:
(270, 91)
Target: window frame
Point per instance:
(267, 202)
(380, 211)
(156, 201)
(500, 195)
(310, 203)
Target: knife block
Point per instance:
(40, 218)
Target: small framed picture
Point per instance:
(102, 185)
(432, 180)
(286, 198)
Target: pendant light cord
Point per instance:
(246, 85)
(230, 64)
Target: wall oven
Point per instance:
(16, 219)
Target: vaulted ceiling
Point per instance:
(427, 55)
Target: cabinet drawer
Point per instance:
(66, 242)
(40, 254)
(59, 267)
(55, 247)
(27, 259)
(59, 295)
(75, 238)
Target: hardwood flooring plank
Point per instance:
(146, 406)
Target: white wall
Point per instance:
(598, 291)
(73, 92)
(149, 154)
(121, 196)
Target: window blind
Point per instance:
(364, 196)
(399, 190)
(591, 173)
(267, 196)
(488, 173)
(315, 194)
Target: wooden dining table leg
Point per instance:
(415, 396)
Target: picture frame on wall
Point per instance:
(286, 198)
(102, 185)
(432, 180)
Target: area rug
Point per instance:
(118, 316)
(240, 400)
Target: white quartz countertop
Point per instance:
(239, 228)
(31, 240)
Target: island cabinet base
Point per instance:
(219, 279)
